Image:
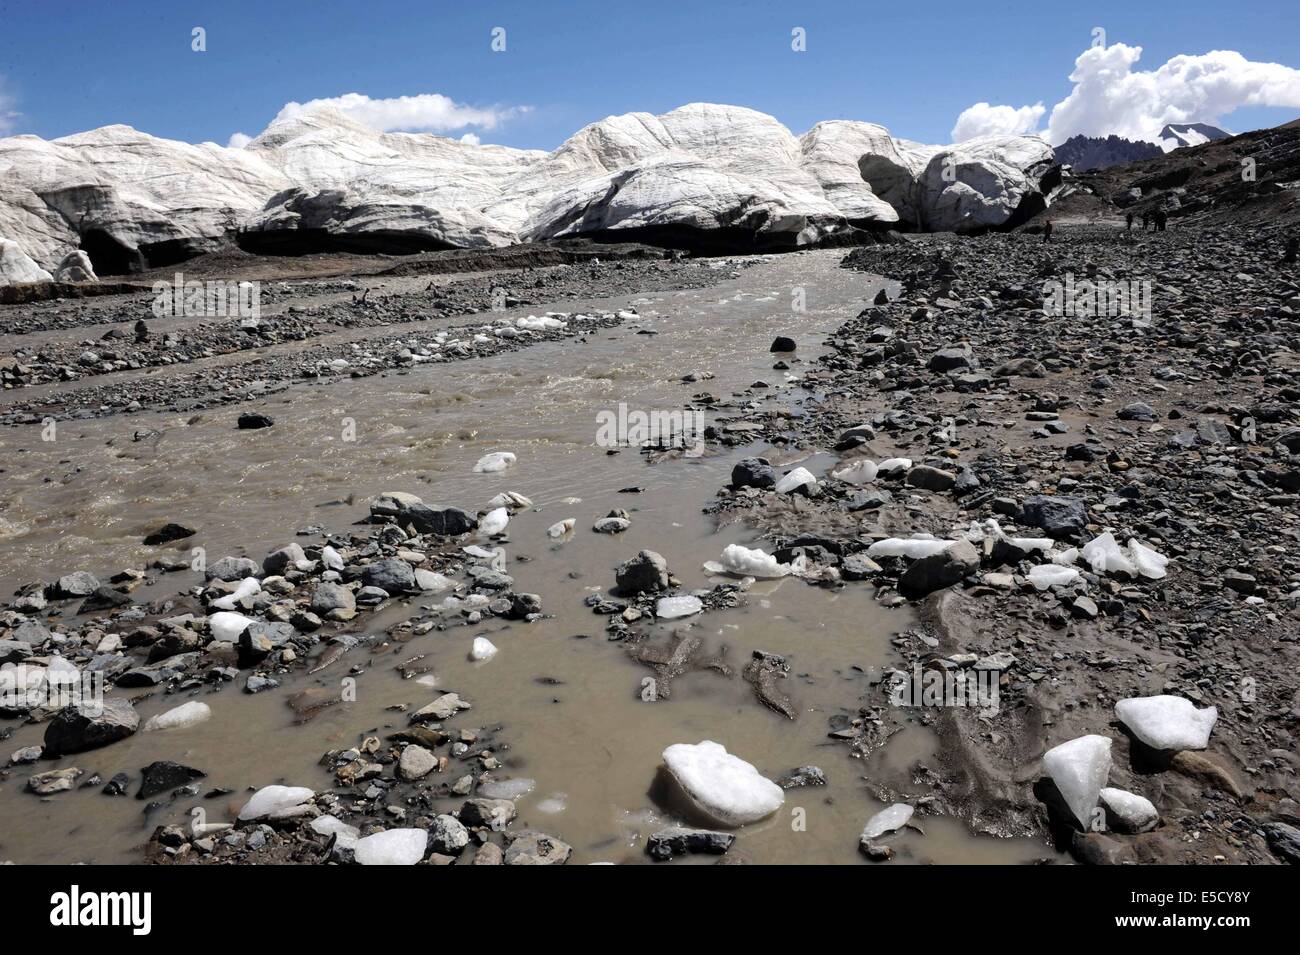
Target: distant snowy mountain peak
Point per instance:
(1176, 135)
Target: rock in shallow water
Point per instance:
(680, 840)
(76, 729)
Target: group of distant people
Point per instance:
(1157, 219)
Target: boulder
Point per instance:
(938, 570)
(1061, 517)
(391, 575)
(75, 729)
(647, 572)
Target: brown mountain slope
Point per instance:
(1199, 185)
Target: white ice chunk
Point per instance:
(535, 323)
(273, 799)
(553, 804)
(228, 626)
(560, 528)
(512, 500)
(725, 788)
(671, 608)
(887, 820)
(1167, 722)
(1105, 556)
(794, 480)
(1079, 768)
(494, 461)
(482, 649)
(861, 471)
(913, 548)
(328, 825)
(1137, 813)
(747, 562)
(1044, 576)
(247, 588)
(1066, 557)
(894, 465)
(179, 717)
(432, 582)
(1149, 563)
(331, 558)
(392, 847)
(512, 789)
(494, 522)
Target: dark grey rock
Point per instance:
(679, 840)
(753, 472)
(939, 570)
(1059, 516)
(647, 572)
(75, 729)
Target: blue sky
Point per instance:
(67, 67)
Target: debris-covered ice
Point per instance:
(725, 788)
(1080, 768)
(1167, 722)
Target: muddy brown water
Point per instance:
(567, 699)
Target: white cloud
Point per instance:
(470, 139)
(983, 119)
(1109, 96)
(427, 112)
(238, 140)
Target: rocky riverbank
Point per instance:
(1094, 505)
(1090, 511)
